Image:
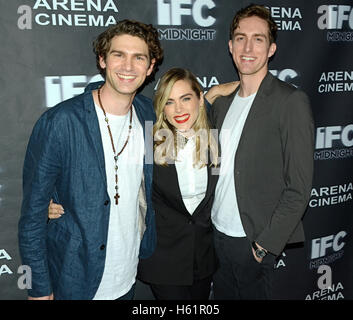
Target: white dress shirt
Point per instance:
(192, 180)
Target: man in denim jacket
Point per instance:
(80, 156)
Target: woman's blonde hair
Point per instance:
(166, 139)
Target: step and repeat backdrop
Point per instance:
(47, 57)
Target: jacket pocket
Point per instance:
(63, 252)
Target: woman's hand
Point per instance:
(223, 89)
(55, 210)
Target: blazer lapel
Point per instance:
(94, 132)
(170, 173)
(210, 189)
(258, 107)
(211, 186)
(166, 178)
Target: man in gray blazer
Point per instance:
(267, 142)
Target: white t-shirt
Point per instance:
(123, 242)
(192, 180)
(225, 212)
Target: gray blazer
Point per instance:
(273, 165)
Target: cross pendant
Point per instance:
(116, 197)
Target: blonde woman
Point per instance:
(182, 265)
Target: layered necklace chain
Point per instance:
(116, 155)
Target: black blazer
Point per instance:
(184, 250)
(273, 165)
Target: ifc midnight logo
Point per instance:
(338, 19)
(175, 13)
(334, 142)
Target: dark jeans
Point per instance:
(240, 276)
(129, 295)
(199, 290)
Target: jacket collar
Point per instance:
(143, 105)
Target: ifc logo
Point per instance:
(335, 16)
(326, 136)
(319, 246)
(170, 13)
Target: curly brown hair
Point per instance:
(101, 45)
(258, 11)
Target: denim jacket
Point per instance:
(65, 161)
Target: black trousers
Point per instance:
(240, 276)
(199, 290)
